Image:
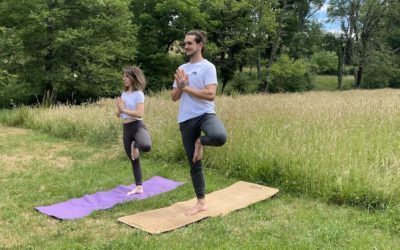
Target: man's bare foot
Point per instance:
(137, 190)
(198, 151)
(134, 151)
(199, 207)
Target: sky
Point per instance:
(322, 17)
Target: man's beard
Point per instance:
(190, 54)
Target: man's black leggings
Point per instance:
(136, 131)
(214, 135)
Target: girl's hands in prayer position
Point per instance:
(120, 104)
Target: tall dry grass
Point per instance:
(342, 147)
(339, 146)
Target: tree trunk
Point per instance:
(271, 60)
(341, 55)
(224, 82)
(259, 68)
(359, 76)
(49, 90)
(355, 76)
(265, 85)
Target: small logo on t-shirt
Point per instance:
(194, 73)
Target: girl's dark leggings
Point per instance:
(214, 135)
(136, 131)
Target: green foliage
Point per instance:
(233, 27)
(380, 72)
(160, 24)
(289, 75)
(395, 81)
(324, 62)
(367, 26)
(160, 68)
(9, 90)
(377, 76)
(302, 44)
(243, 83)
(74, 49)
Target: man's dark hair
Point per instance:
(199, 37)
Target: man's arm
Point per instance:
(208, 93)
(182, 82)
(176, 94)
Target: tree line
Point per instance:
(73, 51)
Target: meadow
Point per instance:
(336, 153)
(340, 147)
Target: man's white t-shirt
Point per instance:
(131, 99)
(200, 75)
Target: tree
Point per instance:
(73, 50)
(263, 18)
(305, 9)
(161, 23)
(277, 41)
(363, 24)
(229, 30)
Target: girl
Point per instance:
(130, 107)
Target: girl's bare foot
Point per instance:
(198, 151)
(137, 190)
(199, 207)
(134, 152)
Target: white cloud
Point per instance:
(324, 8)
(321, 16)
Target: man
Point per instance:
(195, 86)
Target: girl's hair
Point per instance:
(137, 77)
(199, 37)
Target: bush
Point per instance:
(243, 84)
(395, 81)
(324, 62)
(13, 93)
(380, 73)
(288, 75)
(159, 70)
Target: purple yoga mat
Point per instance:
(81, 207)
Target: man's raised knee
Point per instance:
(145, 148)
(221, 139)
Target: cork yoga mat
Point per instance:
(221, 202)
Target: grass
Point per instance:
(38, 169)
(338, 147)
(330, 82)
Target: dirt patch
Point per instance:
(113, 152)
(21, 154)
(12, 163)
(9, 131)
(18, 163)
